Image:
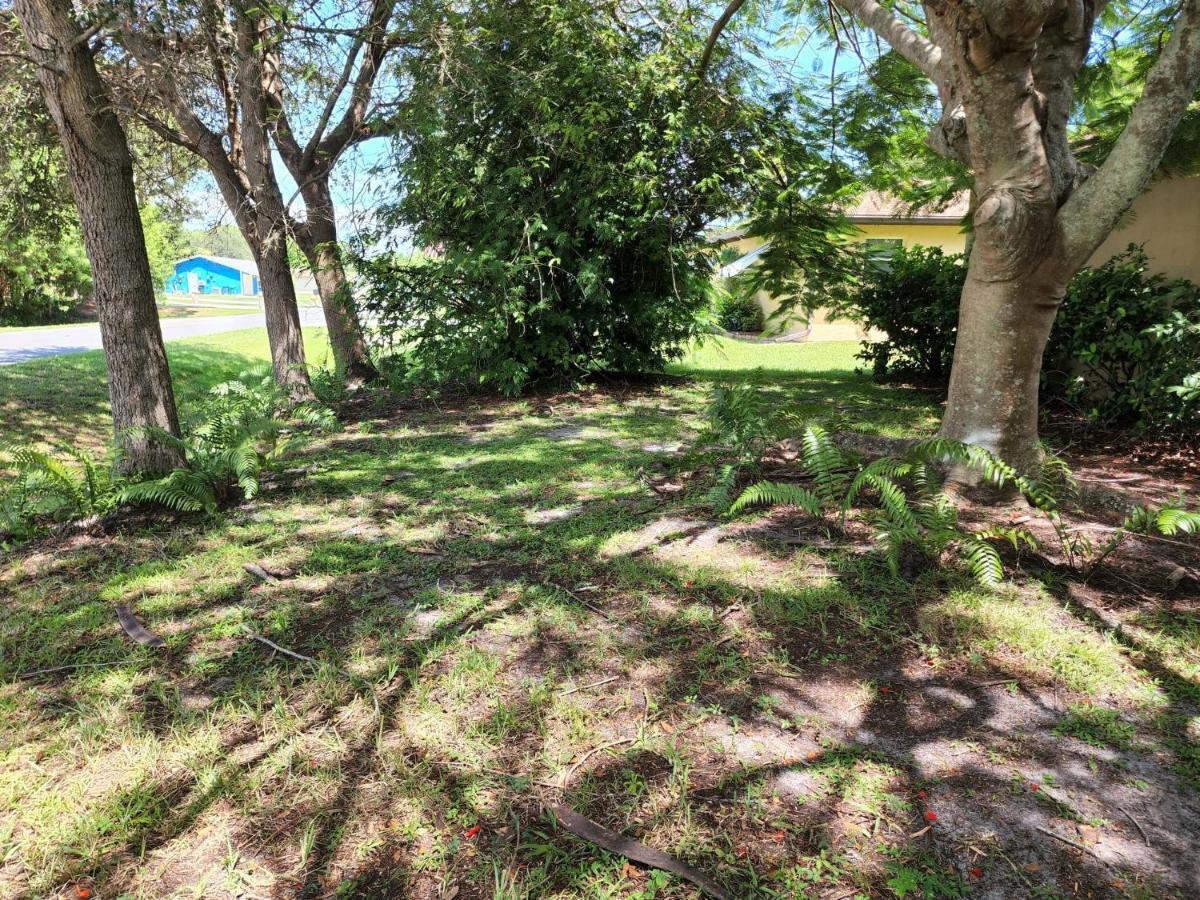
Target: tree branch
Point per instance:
(1091, 212)
(918, 50)
(715, 34)
(378, 46)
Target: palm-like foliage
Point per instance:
(49, 487)
(238, 431)
(909, 513)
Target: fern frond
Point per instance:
(1173, 520)
(885, 466)
(893, 504)
(772, 493)
(182, 491)
(983, 561)
(823, 460)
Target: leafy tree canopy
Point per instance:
(564, 163)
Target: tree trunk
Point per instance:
(319, 241)
(283, 321)
(1003, 327)
(270, 214)
(100, 170)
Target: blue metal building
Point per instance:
(214, 275)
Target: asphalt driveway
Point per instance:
(34, 343)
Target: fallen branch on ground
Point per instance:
(562, 782)
(584, 687)
(135, 629)
(585, 828)
(1137, 824)
(1071, 843)
(259, 572)
(284, 650)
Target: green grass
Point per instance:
(495, 598)
(64, 399)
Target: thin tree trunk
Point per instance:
(319, 241)
(100, 170)
(283, 321)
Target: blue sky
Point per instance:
(783, 47)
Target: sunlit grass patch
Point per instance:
(1025, 633)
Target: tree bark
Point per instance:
(283, 321)
(319, 241)
(1003, 327)
(100, 169)
(1006, 72)
(270, 231)
(239, 158)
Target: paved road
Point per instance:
(19, 346)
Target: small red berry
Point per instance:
(931, 816)
(472, 832)
(885, 690)
(977, 872)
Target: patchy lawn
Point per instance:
(497, 605)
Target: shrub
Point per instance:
(912, 298)
(1125, 344)
(1123, 351)
(564, 167)
(238, 430)
(737, 310)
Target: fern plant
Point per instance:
(238, 430)
(45, 487)
(911, 516)
(740, 422)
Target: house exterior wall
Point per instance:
(821, 326)
(949, 237)
(1166, 219)
(203, 276)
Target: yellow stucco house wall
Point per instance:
(1165, 219)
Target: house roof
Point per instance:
(238, 265)
(876, 207)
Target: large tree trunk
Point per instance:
(270, 225)
(1013, 289)
(1003, 327)
(1005, 73)
(319, 241)
(100, 170)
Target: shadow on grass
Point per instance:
(453, 636)
(63, 401)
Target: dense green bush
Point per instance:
(1125, 343)
(44, 273)
(913, 299)
(1125, 348)
(737, 310)
(562, 168)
